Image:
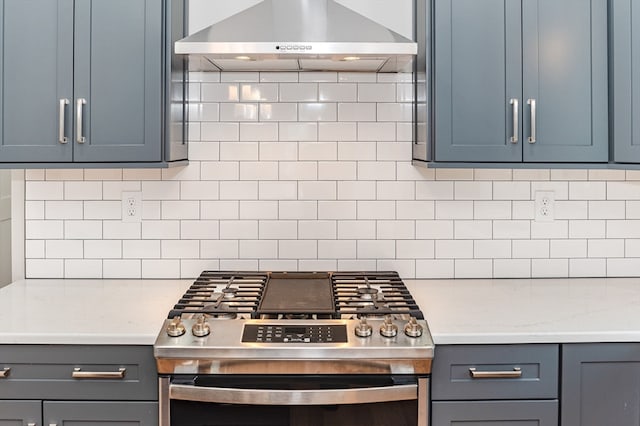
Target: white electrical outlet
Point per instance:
(545, 206)
(132, 206)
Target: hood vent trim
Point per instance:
(298, 35)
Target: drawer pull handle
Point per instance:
(78, 374)
(4, 373)
(31, 424)
(516, 373)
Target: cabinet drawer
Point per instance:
(101, 372)
(464, 372)
(498, 413)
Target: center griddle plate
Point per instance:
(297, 293)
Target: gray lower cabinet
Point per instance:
(91, 81)
(20, 413)
(601, 384)
(72, 385)
(625, 83)
(520, 81)
(495, 385)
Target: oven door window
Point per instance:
(325, 395)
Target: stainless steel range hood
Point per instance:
(300, 35)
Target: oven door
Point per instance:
(294, 400)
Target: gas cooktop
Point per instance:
(297, 295)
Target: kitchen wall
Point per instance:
(5, 227)
(313, 171)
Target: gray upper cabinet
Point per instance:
(521, 81)
(89, 81)
(625, 84)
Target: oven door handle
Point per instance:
(293, 397)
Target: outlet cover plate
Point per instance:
(132, 206)
(545, 206)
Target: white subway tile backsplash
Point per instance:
(258, 209)
(337, 92)
(298, 131)
(63, 249)
(44, 268)
(317, 229)
(376, 92)
(454, 249)
(256, 132)
(376, 210)
(160, 229)
(238, 112)
(259, 92)
(258, 249)
(472, 190)
(298, 170)
(141, 249)
(117, 230)
(473, 230)
(297, 210)
(317, 112)
(340, 249)
(297, 249)
(152, 268)
(376, 131)
(238, 190)
(356, 111)
(83, 268)
(312, 171)
(219, 249)
(585, 268)
(472, 268)
(103, 249)
(64, 174)
(39, 190)
(63, 210)
(337, 131)
(302, 92)
(278, 112)
(512, 268)
(278, 230)
(179, 249)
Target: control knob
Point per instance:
(175, 327)
(388, 328)
(412, 328)
(201, 327)
(363, 329)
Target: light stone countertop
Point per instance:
(109, 312)
(458, 311)
(530, 310)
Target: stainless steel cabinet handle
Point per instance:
(294, 397)
(532, 138)
(4, 373)
(78, 374)
(61, 114)
(514, 108)
(79, 104)
(31, 424)
(517, 372)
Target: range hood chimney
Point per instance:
(300, 35)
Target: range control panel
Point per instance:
(266, 333)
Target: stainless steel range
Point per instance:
(294, 348)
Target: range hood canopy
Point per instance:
(299, 35)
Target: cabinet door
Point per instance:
(565, 72)
(498, 413)
(478, 65)
(625, 84)
(62, 413)
(19, 413)
(601, 384)
(118, 72)
(36, 72)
